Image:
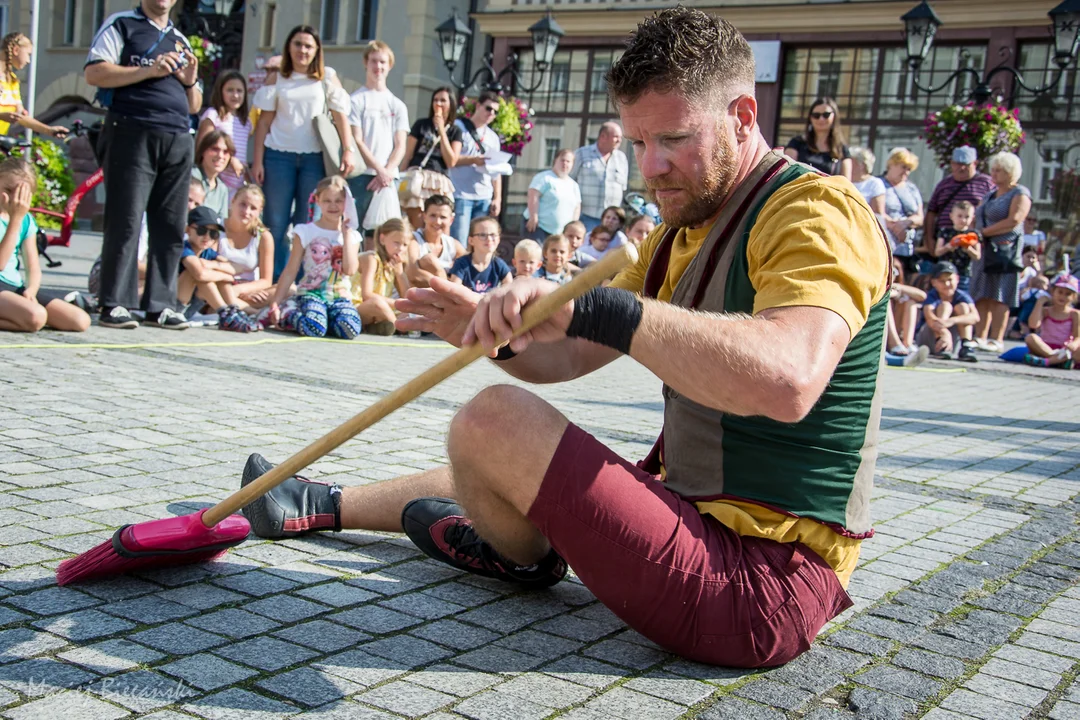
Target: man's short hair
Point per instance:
(438, 201)
(378, 46)
(488, 96)
(683, 50)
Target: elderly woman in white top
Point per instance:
(870, 186)
(288, 159)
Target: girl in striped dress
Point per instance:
(228, 112)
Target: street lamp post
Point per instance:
(921, 24)
(454, 35)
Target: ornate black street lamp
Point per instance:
(921, 24)
(1043, 109)
(454, 36)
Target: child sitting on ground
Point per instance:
(319, 308)
(527, 258)
(599, 243)
(556, 254)
(960, 244)
(433, 250)
(381, 277)
(1056, 336)
(481, 271)
(1031, 285)
(206, 278)
(574, 232)
(949, 316)
(904, 303)
(24, 306)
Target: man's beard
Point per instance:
(706, 195)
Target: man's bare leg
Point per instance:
(378, 506)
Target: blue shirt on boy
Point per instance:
(207, 254)
(480, 281)
(933, 300)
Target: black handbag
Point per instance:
(1001, 253)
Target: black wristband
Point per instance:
(607, 316)
(505, 353)
(188, 87)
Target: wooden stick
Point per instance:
(532, 316)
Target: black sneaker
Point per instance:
(294, 507)
(118, 318)
(438, 526)
(966, 353)
(168, 319)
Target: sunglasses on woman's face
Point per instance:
(203, 230)
(821, 115)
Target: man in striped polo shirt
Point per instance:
(760, 304)
(964, 182)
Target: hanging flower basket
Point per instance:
(513, 123)
(208, 55)
(987, 128)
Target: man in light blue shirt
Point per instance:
(602, 173)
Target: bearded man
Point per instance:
(760, 303)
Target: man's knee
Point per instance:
(487, 418)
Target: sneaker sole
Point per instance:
(130, 325)
(151, 323)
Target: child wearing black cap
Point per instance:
(203, 277)
(948, 317)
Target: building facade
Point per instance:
(851, 50)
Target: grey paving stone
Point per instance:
(885, 628)
(920, 616)
(53, 600)
(541, 645)
(110, 656)
(899, 682)
(1049, 644)
(983, 628)
(950, 646)
(42, 676)
(875, 705)
(206, 671)
(69, 704)
(455, 680)
(22, 643)
(496, 659)
(285, 608)
(360, 667)
(309, 687)
(926, 601)
(406, 699)
(256, 582)
(546, 690)
(626, 654)
(859, 642)
(11, 617)
(776, 694)
(454, 634)
(233, 622)
(83, 625)
(178, 639)
(423, 606)
(143, 691)
(337, 594)
(322, 635)
(940, 666)
(672, 687)
(1006, 690)
(201, 596)
(500, 706)
(512, 614)
(237, 704)
(384, 584)
(731, 708)
(574, 628)
(630, 705)
(349, 710)
(1024, 674)
(148, 610)
(1033, 658)
(461, 594)
(374, 619)
(982, 706)
(266, 653)
(1064, 710)
(406, 650)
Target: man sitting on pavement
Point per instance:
(732, 543)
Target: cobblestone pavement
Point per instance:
(966, 599)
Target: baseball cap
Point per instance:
(965, 155)
(942, 268)
(205, 217)
(1067, 281)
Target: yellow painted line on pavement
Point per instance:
(264, 341)
(926, 369)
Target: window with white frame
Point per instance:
(366, 17)
(5, 12)
(70, 21)
(328, 25)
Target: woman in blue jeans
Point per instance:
(288, 159)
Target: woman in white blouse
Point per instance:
(288, 158)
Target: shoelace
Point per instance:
(467, 545)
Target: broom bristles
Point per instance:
(103, 561)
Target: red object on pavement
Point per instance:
(172, 541)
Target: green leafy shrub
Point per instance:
(54, 181)
(987, 128)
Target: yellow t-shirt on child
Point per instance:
(10, 100)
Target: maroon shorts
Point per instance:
(680, 578)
